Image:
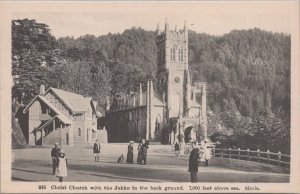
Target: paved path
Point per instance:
(34, 164)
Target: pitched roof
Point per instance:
(49, 104)
(75, 102)
(62, 118)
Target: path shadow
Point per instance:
(119, 177)
(32, 171)
(19, 179)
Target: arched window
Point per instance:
(87, 134)
(79, 132)
(130, 116)
(180, 54)
(173, 53)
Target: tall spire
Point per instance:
(166, 25)
(185, 27)
(157, 29)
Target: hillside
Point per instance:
(247, 71)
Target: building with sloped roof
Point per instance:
(60, 116)
(174, 111)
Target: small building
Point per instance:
(59, 116)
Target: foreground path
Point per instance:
(34, 164)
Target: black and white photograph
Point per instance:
(198, 94)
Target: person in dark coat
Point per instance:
(129, 159)
(54, 154)
(177, 149)
(193, 162)
(143, 149)
(96, 150)
(139, 153)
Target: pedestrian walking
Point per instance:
(96, 150)
(193, 162)
(61, 170)
(139, 153)
(54, 155)
(177, 149)
(144, 149)
(129, 159)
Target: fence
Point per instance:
(267, 157)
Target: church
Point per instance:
(174, 111)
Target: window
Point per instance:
(130, 116)
(173, 53)
(87, 134)
(180, 54)
(79, 132)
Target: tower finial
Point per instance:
(166, 25)
(157, 28)
(185, 28)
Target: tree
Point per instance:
(33, 56)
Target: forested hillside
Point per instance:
(247, 71)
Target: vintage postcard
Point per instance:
(150, 97)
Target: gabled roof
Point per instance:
(76, 102)
(62, 118)
(50, 105)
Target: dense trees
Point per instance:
(33, 56)
(247, 71)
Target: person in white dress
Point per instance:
(61, 170)
(207, 151)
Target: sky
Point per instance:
(212, 17)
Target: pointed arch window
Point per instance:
(173, 53)
(180, 54)
(79, 132)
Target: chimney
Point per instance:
(42, 90)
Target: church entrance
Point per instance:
(190, 134)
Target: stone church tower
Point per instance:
(173, 111)
(172, 69)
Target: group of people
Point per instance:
(202, 154)
(142, 152)
(59, 162)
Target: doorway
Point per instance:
(190, 134)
